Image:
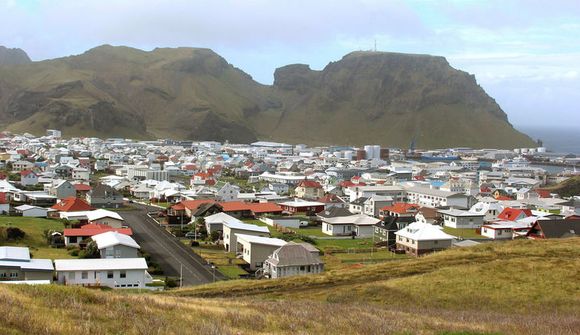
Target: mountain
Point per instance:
(189, 93)
(13, 56)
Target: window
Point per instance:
(84, 275)
(435, 242)
(110, 274)
(13, 274)
(123, 274)
(302, 268)
(72, 275)
(72, 239)
(109, 252)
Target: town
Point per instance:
(129, 214)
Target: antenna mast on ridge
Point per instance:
(375, 45)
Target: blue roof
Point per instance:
(437, 183)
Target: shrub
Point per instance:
(194, 243)
(12, 233)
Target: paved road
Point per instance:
(166, 250)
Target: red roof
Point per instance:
(543, 193)
(513, 214)
(503, 198)
(265, 207)
(309, 184)
(400, 207)
(191, 204)
(330, 198)
(95, 229)
(348, 183)
(25, 173)
(72, 204)
(82, 187)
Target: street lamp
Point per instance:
(213, 267)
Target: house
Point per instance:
(70, 204)
(354, 225)
(31, 211)
(430, 197)
(356, 206)
(62, 189)
(82, 190)
(22, 165)
(544, 229)
(233, 228)
(293, 259)
(79, 236)
(116, 245)
(308, 189)
(256, 249)
(28, 178)
(16, 265)
(105, 217)
(216, 221)
(105, 196)
(284, 221)
(514, 214)
(504, 230)
(202, 178)
(332, 200)
(110, 272)
(456, 218)
(4, 204)
(421, 238)
(403, 211)
(490, 209)
(80, 173)
(357, 191)
(228, 192)
(427, 215)
(374, 203)
(385, 231)
(302, 206)
(278, 188)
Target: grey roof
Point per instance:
(559, 228)
(334, 212)
(293, 254)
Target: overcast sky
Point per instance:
(525, 54)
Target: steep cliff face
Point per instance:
(13, 56)
(366, 97)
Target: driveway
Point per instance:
(166, 250)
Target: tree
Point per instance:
(91, 251)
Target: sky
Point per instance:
(524, 53)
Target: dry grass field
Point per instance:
(520, 287)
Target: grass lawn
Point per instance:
(34, 238)
(231, 271)
(338, 261)
(343, 244)
(226, 262)
(462, 232)
(315, 231)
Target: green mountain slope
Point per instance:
(516, 287)
(367, 97)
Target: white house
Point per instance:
(256, 249)
(28, 178)
(505, 230)
(233, 228)
(216, 221)
(116, 245)
(419, 238)
(358, 224)
(284, 221)
(293, 259)
(16, 265)
(456, 218)
(79, 173)
(429, 197)
(110, 272)
(228, 192)
(31, 211)
(490, 209)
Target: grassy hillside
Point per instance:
(567, 188)
(522, 287)
(193, 93)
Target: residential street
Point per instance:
(166, 250)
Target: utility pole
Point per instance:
(180, 275)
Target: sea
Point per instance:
(556, 139)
